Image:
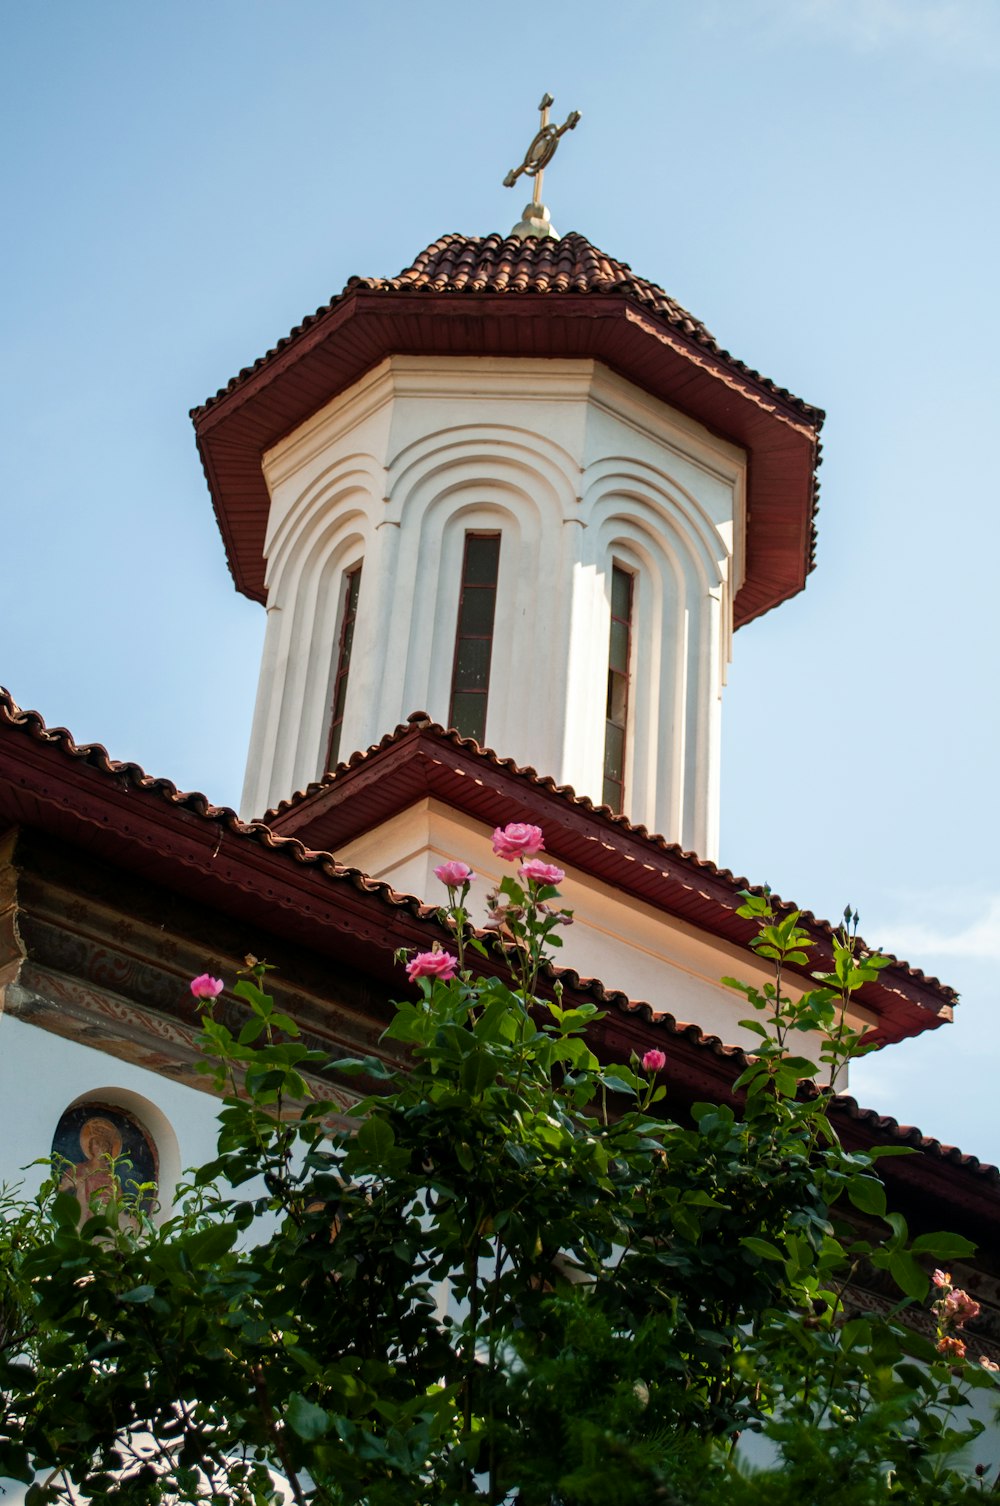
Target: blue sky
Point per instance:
(815, 179)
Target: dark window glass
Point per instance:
(474, 638)
(482, 557)
(475, 617)
(348, 615)
(619, 656)
(472, 664)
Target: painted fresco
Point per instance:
(101, 1141)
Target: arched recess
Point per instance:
(547, 469)
(671, 741)
(138, 1124)
(441, 488)
(355, 478)
(434, 568)
(304, 601)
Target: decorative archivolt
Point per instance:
(635, 497)
(428, 581)
(345, 490)
(478, 455)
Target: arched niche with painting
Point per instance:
(97, 1142)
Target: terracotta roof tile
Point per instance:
(492, 264)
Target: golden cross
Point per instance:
(542, 149)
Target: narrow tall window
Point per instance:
(348, 613)
(619, 656)
(470, 680)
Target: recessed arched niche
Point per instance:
(113, 1133)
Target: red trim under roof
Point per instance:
(422, 759)
(601, 313)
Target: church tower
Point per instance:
(517, 487)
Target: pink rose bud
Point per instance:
(432, 965)
(517, 840)
(988, 1364)
(206, 987)
(454, 874)
(941, 1278)
(534, 871)
(654, 1061)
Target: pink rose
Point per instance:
(654, 1061)
(432, 965)
(988, 1364)
(454, 874)
(517, 840)
(534, 871)
(959, 1307)
(206, 987)
(942, 1278)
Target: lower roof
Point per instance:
(421, 759)
(145, 826)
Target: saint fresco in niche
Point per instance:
(96, 1144)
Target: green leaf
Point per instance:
(138, 1294)
(908, 1275)
(479, 1070)
(762, 1247)
(464, 1153)
(943, 1246)
(261, 1002)
(66, 1211)
(305, 1418)
(867, 1194)
(616, 1083)
(376, 1138)
(897, 1223)
(209, 1245)
(350, 1066)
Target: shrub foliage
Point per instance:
(513, 1276)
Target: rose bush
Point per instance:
(513, 1274)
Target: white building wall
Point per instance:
(577, 469)
(42, 1075)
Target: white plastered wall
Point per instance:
(42, 1075)
(577, 470)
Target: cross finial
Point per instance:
(536, 159)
